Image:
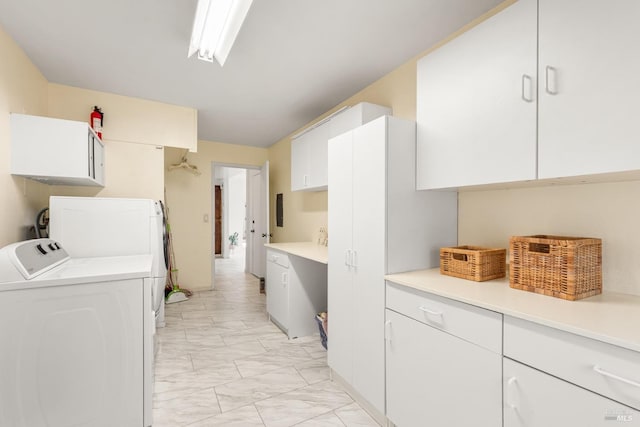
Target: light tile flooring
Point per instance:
(221, 362)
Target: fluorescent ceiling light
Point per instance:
(215, 27)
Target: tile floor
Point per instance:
(220, 362)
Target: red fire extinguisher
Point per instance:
(96, 120)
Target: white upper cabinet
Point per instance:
(589, 92)
(356, 116)
(478, 96)
(476, 108)
(309, 151)
(56, 151)
(309, 160)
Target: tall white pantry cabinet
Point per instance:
(379, 224)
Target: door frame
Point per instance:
(215, 165)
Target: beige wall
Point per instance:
(128, 119)
(607, 210)
(23, 89)
(188, 199)
(134, 134)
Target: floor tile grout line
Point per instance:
(259, 414)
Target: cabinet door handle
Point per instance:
(347, 258)
(551, 80)
(285, 278)
(354, 260)
(527, 92)
(306, 180)
(431, 312)
(509, 401)
(601, 371)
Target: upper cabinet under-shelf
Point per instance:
(309, 164)
(56, 151)
(542, 90)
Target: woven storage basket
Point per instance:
(473, 262)
(563, 267)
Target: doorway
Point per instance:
(240, 226)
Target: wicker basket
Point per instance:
(563, 267)
(473, 262)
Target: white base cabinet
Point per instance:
(296, 290)
(56, 151)
(379, 224)
(440, 371)
(605, 369)
(277, 288)
(534, 398)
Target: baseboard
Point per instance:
(378, 417)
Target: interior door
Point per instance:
(218, 219)
(259, 220)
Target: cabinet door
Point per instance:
(318, 150)
(437, 379)
(588, 91)
(340, 287)
(278, 293)
(299, 162)
(369, 234)
(98, 161)
(533, 398)
(476, 109)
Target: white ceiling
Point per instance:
(292, 61)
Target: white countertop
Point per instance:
(309, 250)
(610, 317)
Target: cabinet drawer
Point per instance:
(606, 369)
(278, 258)
(533, 398)
(473, 324)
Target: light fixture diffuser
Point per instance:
(215, 28)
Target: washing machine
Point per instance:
(76, 338)
(103, 226)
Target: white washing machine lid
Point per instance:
(35, 264)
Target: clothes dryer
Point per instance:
(102, 226)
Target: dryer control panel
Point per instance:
(30, 258)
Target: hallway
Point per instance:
(221, 362)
